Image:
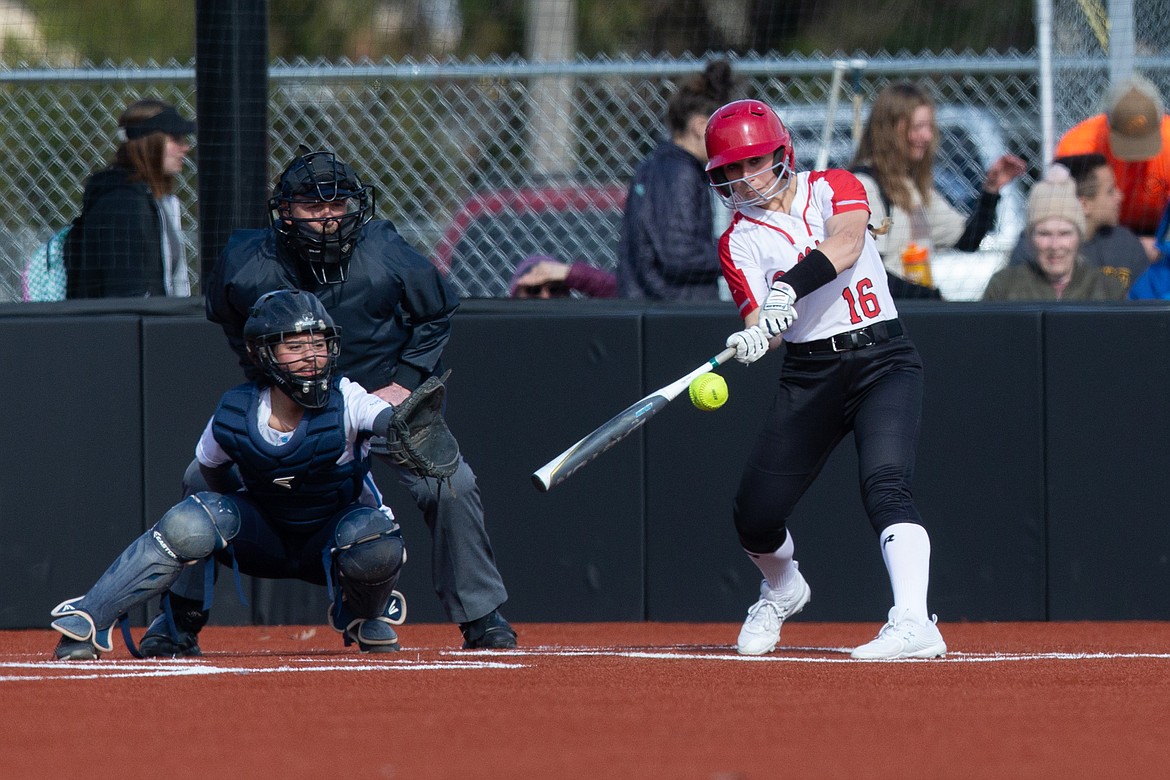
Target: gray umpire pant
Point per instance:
(463, 567)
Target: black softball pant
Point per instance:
(876, 392)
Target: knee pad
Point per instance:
(198, 525)
(368, 547)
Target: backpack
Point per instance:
(43, 275)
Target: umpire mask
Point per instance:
(318, 208)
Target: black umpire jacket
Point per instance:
(394, 310)
(666, 250)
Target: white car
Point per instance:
(970, 140)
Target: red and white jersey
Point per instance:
(760, 246)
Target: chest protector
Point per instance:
(299, 484)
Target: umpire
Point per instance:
(395, 309)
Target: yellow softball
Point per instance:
(708, 392)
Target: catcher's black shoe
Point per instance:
(374, 636)
(160, 643)
(490, 632)
(163, 645)
(73, 650)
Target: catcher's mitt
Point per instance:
(418, 437)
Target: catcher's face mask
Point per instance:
(301, 365)
(293, 341)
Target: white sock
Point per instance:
(906, 551)
(777, 567)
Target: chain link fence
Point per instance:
(432, 136)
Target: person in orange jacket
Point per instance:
(1134, 135)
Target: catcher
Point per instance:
(299, 439)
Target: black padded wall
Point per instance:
(1108, 453)
(187, 365)
(980, 469)
(524, 387)
(71, 468)
(1039, 467)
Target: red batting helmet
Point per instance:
(741, 130)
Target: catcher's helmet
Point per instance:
(741, 130)
(280, 315)
(319, 177)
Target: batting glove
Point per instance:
(750, 344)
(777, 314)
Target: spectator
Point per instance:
(1155, 282)
(667, 247)
(128, 241)
(1112, 247)
(297, 423)
(541, 276)
(1134, 135)
(1056, 227)
(895, 163)
(394, 309)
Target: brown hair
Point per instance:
(700, 94)
(885, 146)
(143, 157)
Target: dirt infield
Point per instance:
(1034, 700)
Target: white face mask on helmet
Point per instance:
(734, 199)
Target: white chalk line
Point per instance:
(783, 655)
(108, 670)
(26, 671)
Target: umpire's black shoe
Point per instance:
(490, 632)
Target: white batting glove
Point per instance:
(750, 344)
(777, 314)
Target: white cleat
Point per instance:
(761, 630)
(904, 637)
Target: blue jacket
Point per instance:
(394, 310)
(1154, 283)
(667, 250)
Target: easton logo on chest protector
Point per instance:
(284, 482)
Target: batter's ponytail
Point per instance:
(700, 94)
